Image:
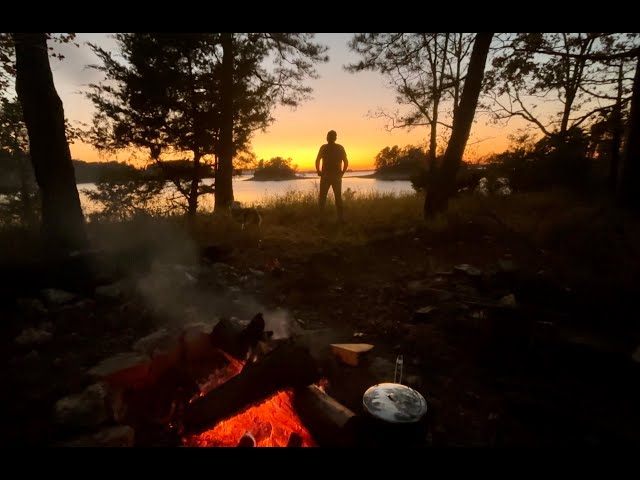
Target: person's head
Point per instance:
(332, 136)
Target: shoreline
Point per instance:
(388, 177)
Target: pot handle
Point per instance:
(397, 374)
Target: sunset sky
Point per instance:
(340, 101)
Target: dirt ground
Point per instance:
(507, 354)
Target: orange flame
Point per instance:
(271, 423)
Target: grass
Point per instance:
(590, 239)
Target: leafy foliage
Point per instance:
(425, 69)
(124, 200)
(557, 81)
(409, 160)
(276, 168)
(164, 97)
(8, 61)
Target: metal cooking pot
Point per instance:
(394, 403)
(396, 412)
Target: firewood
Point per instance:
(288, 366)
(326, 418)
(235, 338)
(349, 353)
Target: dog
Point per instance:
(245, 216)
(349, 194)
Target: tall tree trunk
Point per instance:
(433, 138)
(442, 183)
(630, 175)
(63, 226)
(193, 191)
(27, 213)
(224, 174)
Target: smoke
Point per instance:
(280, 322)
(173, 284)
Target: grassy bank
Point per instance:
(586, 239)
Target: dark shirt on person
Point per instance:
(332, 155)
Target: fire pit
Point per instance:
(234, 386)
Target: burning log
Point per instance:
(326, 418)
(235, 338)
(288, 366)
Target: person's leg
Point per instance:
(325, 183)
(337, 193)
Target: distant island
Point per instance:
(275, 169)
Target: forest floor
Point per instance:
(515, 338)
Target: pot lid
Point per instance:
(394, 403)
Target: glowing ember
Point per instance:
(222, 375)
(271, 423)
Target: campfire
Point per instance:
(235, 386)
(270, 423)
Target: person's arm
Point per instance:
(345, 161)
(318, 161)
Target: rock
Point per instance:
(508, 301)
(83, 410)
(112, 291)
(124, 369)
(424, 314)
(350, 353)
(468, 269)
(443, 273)
(118, 436)
(33, 336)
(455, 307)
(503, 191)
(507, 266)
(479, 315)
(223, 269)
(160, 340)
(417, 286)
(257, 273)
(56, 297)
(84, 304)
(32, 356)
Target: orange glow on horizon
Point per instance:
(339, 101)
(302, 149)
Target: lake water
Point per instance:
(256, 193)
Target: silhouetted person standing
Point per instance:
(334, 162)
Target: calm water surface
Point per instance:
(256, 193)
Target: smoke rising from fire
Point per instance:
(280, 322)
(169, 278)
